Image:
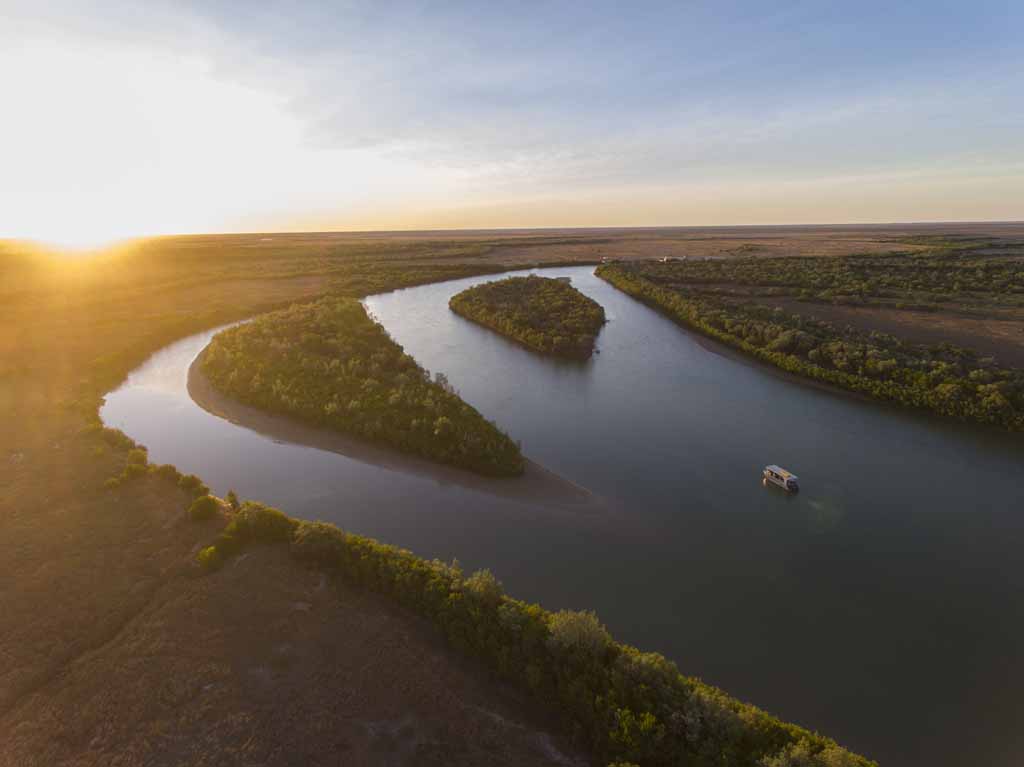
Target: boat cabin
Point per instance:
(779, 476)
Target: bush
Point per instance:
(320, 543)
(803, 754)
(134, 470)
(579, 631)
(166, 471)
(210, 558)
(138, 457)
(484, 587)
(232, 500)
(264, 524)
(204, 507)
(192, 484)
(117, 439)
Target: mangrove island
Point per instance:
(546, 315)
(328, 363)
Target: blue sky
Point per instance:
(487, 114)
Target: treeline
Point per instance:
(547, 315)
(924, 281)
(328, 363)
(943, 379)
(624, 705)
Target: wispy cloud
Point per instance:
(570, 100)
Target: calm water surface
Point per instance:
(883, 605)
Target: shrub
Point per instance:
(134, 470)
(483, 586)
(203, 507)
(580, 631)
(803, 754)
(117, 439)
(232, 500)
(639, 736)
(191, 483)
(319, 542)
(265, 524)
(138, 457)
(210, 558)
(166, 471)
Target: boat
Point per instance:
(787, 480)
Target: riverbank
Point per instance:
(942, 380)
(537, 486)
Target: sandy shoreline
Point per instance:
(537, 486)
(723, 349)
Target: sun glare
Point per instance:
(72, 234)
(135, 142)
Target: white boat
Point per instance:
(787, 480)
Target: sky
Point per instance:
(123, 119)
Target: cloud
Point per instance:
(575, 93)
(557, 100)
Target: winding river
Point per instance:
(883, 605)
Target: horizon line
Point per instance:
(512, 229)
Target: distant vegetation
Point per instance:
(952, 273)
(623, 704)
(543, 314)
(726, 300)
(328, 363)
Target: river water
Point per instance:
(883, 605)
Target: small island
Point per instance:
(546, 315)
(329, 364)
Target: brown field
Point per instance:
(1000, 336)
(114, 651)
(266, 663)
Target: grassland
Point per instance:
(113, 647)
(543, 314)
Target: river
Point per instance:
(882, 605)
